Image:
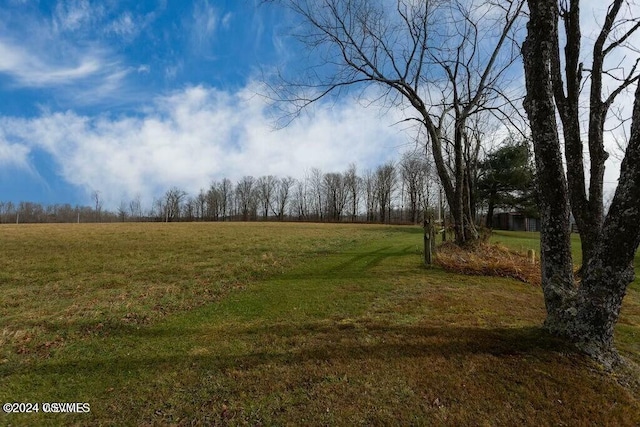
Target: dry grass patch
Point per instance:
(488, 259)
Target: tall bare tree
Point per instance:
(584, 314)
(587, 206)
(172, 204)
(414, 169)
(300, 200)
(96, 195)
(265, 189)
(201, 204)
(282, 195)
(385, 182)
(135, 207)
(317, 192)
(353, 184)
(122, 211)
(370, 195)
(446, 61)
(225, 191)
(246, 196)
(335, 195)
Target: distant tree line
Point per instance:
(395, 192)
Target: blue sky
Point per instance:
(132, 97)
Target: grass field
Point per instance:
(282, 324)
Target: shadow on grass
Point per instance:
(291, 344)
(356, 266)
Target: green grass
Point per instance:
(628, 329)
(280, 324)
(525, 240)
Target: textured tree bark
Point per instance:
(586, 315)
(610, 270)
(555, 254)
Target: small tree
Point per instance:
(97, 200)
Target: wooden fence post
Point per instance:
(428, 237)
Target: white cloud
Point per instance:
(197, 135)
(14, 154)
(204, 22)
(35, 69)
(63, 52)
(123, 26)
(72, 15)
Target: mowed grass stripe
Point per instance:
(355, 332)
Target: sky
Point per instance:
(130, 98)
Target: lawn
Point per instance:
(281, 324)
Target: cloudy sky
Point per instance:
(132, 97)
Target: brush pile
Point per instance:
(486, 259)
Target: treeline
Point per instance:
(392, 193)
(399, 192)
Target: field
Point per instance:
(283, 324)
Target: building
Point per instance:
(515, 221)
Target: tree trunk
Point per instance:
(555, 254)
(610, 269)
(586, 315)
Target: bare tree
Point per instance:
(135, 208)
(353, 184)
(122, 211)
(335, 195)
(584, 314)
(225, 189)
(201, 204)
(385, 182)
(588, 208)
(172, 204)
(188, 209)
(300, 200)
(213, 202)
(97, 200)
(370, 195)
(414, 169)
(265, 189)
(282, 195)
(246, 196)
(446, 61)
(317, 192)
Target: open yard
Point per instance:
(283, 324)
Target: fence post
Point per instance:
(428, 234)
